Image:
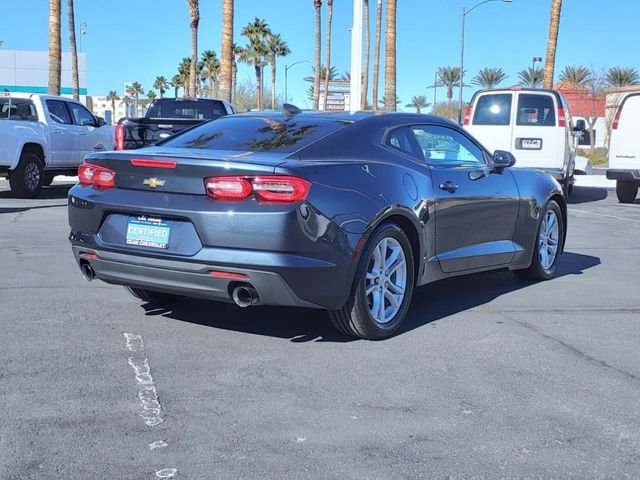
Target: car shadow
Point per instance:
(430, 303)
(48, 193)
(587, 194)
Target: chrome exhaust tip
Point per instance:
(245, 296)
(87, 271)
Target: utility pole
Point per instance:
(355, 90)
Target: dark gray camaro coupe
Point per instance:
(347, 213)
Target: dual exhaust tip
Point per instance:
(243, 295)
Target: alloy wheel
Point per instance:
(386, 280)
(548, 240)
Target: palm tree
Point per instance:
(194, 21)
(113, 98)
(227, 53)
(333, 75)
(622, 76)
(418, 102)
(383, 102)
(71, 23)
(184, 71)
(55, 54)
(317, 4)
(367, 54)
(151, 96)
(328, 52)
(531, 77)
(276, 47)
(161, 85)
(125, 101)
(577, 75)
(552, 42)
(255, 52)
(237, 51)
(210, 70)
(137, 90)
(376, 55)
(390, 56)
(176, 83)
(489, 77)
(449, 77)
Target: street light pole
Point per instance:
(286, 71)
(466, 12)
(83, 30)
(355, 89)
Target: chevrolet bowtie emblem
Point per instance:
(154, 182)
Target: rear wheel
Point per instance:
(153, 297)
(626, 191)
(382, 289)
(549, 244)
(27, 178)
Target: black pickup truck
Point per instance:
(166, 117)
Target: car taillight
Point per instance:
(270, 188)
(467, 116)
(228, 188)
(616, 120)
(90, 174)
(120, 137)
(562, 120)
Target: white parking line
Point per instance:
(615, 217)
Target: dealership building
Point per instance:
(28, 72)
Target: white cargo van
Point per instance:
(533, 124)
(624, 150)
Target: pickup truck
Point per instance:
(166, 117)
(42, 136)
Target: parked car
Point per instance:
(346, 213)
(42, 136)
(535, 125)
(166, 117)
(624, 150)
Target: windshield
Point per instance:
(187, 109)
(256, 134)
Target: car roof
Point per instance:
(35, 95)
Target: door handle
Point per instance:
(449, 187)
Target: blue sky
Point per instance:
(136, 40)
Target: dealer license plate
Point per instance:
(146, 231)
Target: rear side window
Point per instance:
(256, 134)
(494, 109)
(18, 109)
(58, 112)
(187, 109)
(536, 110)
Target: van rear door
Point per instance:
(538, 136)
(490, 121)
(625, 146)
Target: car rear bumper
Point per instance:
(623, 174)
(187, 278)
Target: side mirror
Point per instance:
(502, 160)
(581, 126)
(100, 122)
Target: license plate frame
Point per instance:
(148, 231)
(529, 144)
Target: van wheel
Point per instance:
(27, 178)
(626, 191)
(382, 287)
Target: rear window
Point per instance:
(187, 109)
(18, 109)
(256, 134)
(493, 109)
(536, 110)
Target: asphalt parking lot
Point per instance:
(492, 377)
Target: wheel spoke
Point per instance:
(396, 288)
(381, 309)
(395, 253)
(393, 301)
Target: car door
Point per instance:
(538, 140)
(90, 138)
(476, 208)
(63, 134)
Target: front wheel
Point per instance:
(27, 178)
(626, 191)
(548, 246)
(382, 288)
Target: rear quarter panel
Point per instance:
(14, 135)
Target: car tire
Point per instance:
(547, 238)
(27, 178)
(390, 245)
(48, 179)
(152, 296)
(626, 191)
